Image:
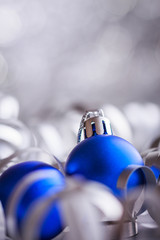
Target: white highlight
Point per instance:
(9, 107)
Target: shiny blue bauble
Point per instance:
(102, 158)
(52, 224)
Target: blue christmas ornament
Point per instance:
(102, 156)
(35, 179)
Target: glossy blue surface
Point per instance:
(102, 158)
(52, 224)
(14, 174)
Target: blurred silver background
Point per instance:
(54, 54)
(60, 57)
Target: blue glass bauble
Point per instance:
(102, 158)
(12, 176)
(52, 224)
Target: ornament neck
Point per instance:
(94, 123)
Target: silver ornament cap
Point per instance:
(94, 123)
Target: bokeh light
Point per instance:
(9, 107)
(10, 26)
